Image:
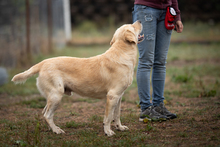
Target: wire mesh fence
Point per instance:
(29, 27)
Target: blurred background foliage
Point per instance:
(100, 10)
(33, 27)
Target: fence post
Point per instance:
(67, 22)
(49, 25)
(28, 49)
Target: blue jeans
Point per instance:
(152, 54)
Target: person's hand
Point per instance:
(179, 26)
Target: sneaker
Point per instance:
(151, 114)
(163, 111)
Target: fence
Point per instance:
(30, 27)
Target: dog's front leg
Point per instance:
(117, 120)
(111, 103)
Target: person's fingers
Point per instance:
(179, 26)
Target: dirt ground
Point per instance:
(198, 122)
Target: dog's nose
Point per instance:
(139, 21)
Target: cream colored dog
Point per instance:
(106, 75)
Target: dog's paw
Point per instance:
(121, 128)
(57, 130)
(109, 133)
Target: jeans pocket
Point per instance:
(139, 8)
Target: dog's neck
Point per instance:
(124, 53)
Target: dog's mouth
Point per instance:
(140, 38)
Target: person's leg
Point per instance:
(159, 67)
(146, 52)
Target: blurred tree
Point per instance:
(99, 10)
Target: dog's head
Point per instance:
(128, 33)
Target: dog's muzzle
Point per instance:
(140, 38)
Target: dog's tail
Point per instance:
(22, 77)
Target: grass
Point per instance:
(192, 90)
(73, 124)
(25, 89)
(198, 31)
(35, 103)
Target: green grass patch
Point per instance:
(181, 78)
(95, 118)
(198, 31)
(35, 103)
(27, 88)
(75, 125)
(75, 51)
(183, 134)
(191, 53)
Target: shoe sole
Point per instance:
(142, 119)
(160, 119)
(172, 117)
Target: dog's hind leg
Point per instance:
(52, 103)
(53, 92)
(117, 120)
(44, 110)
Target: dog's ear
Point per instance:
(130, 36)
(113, 40)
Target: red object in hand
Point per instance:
(170, 17)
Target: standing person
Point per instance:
(153, 54)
